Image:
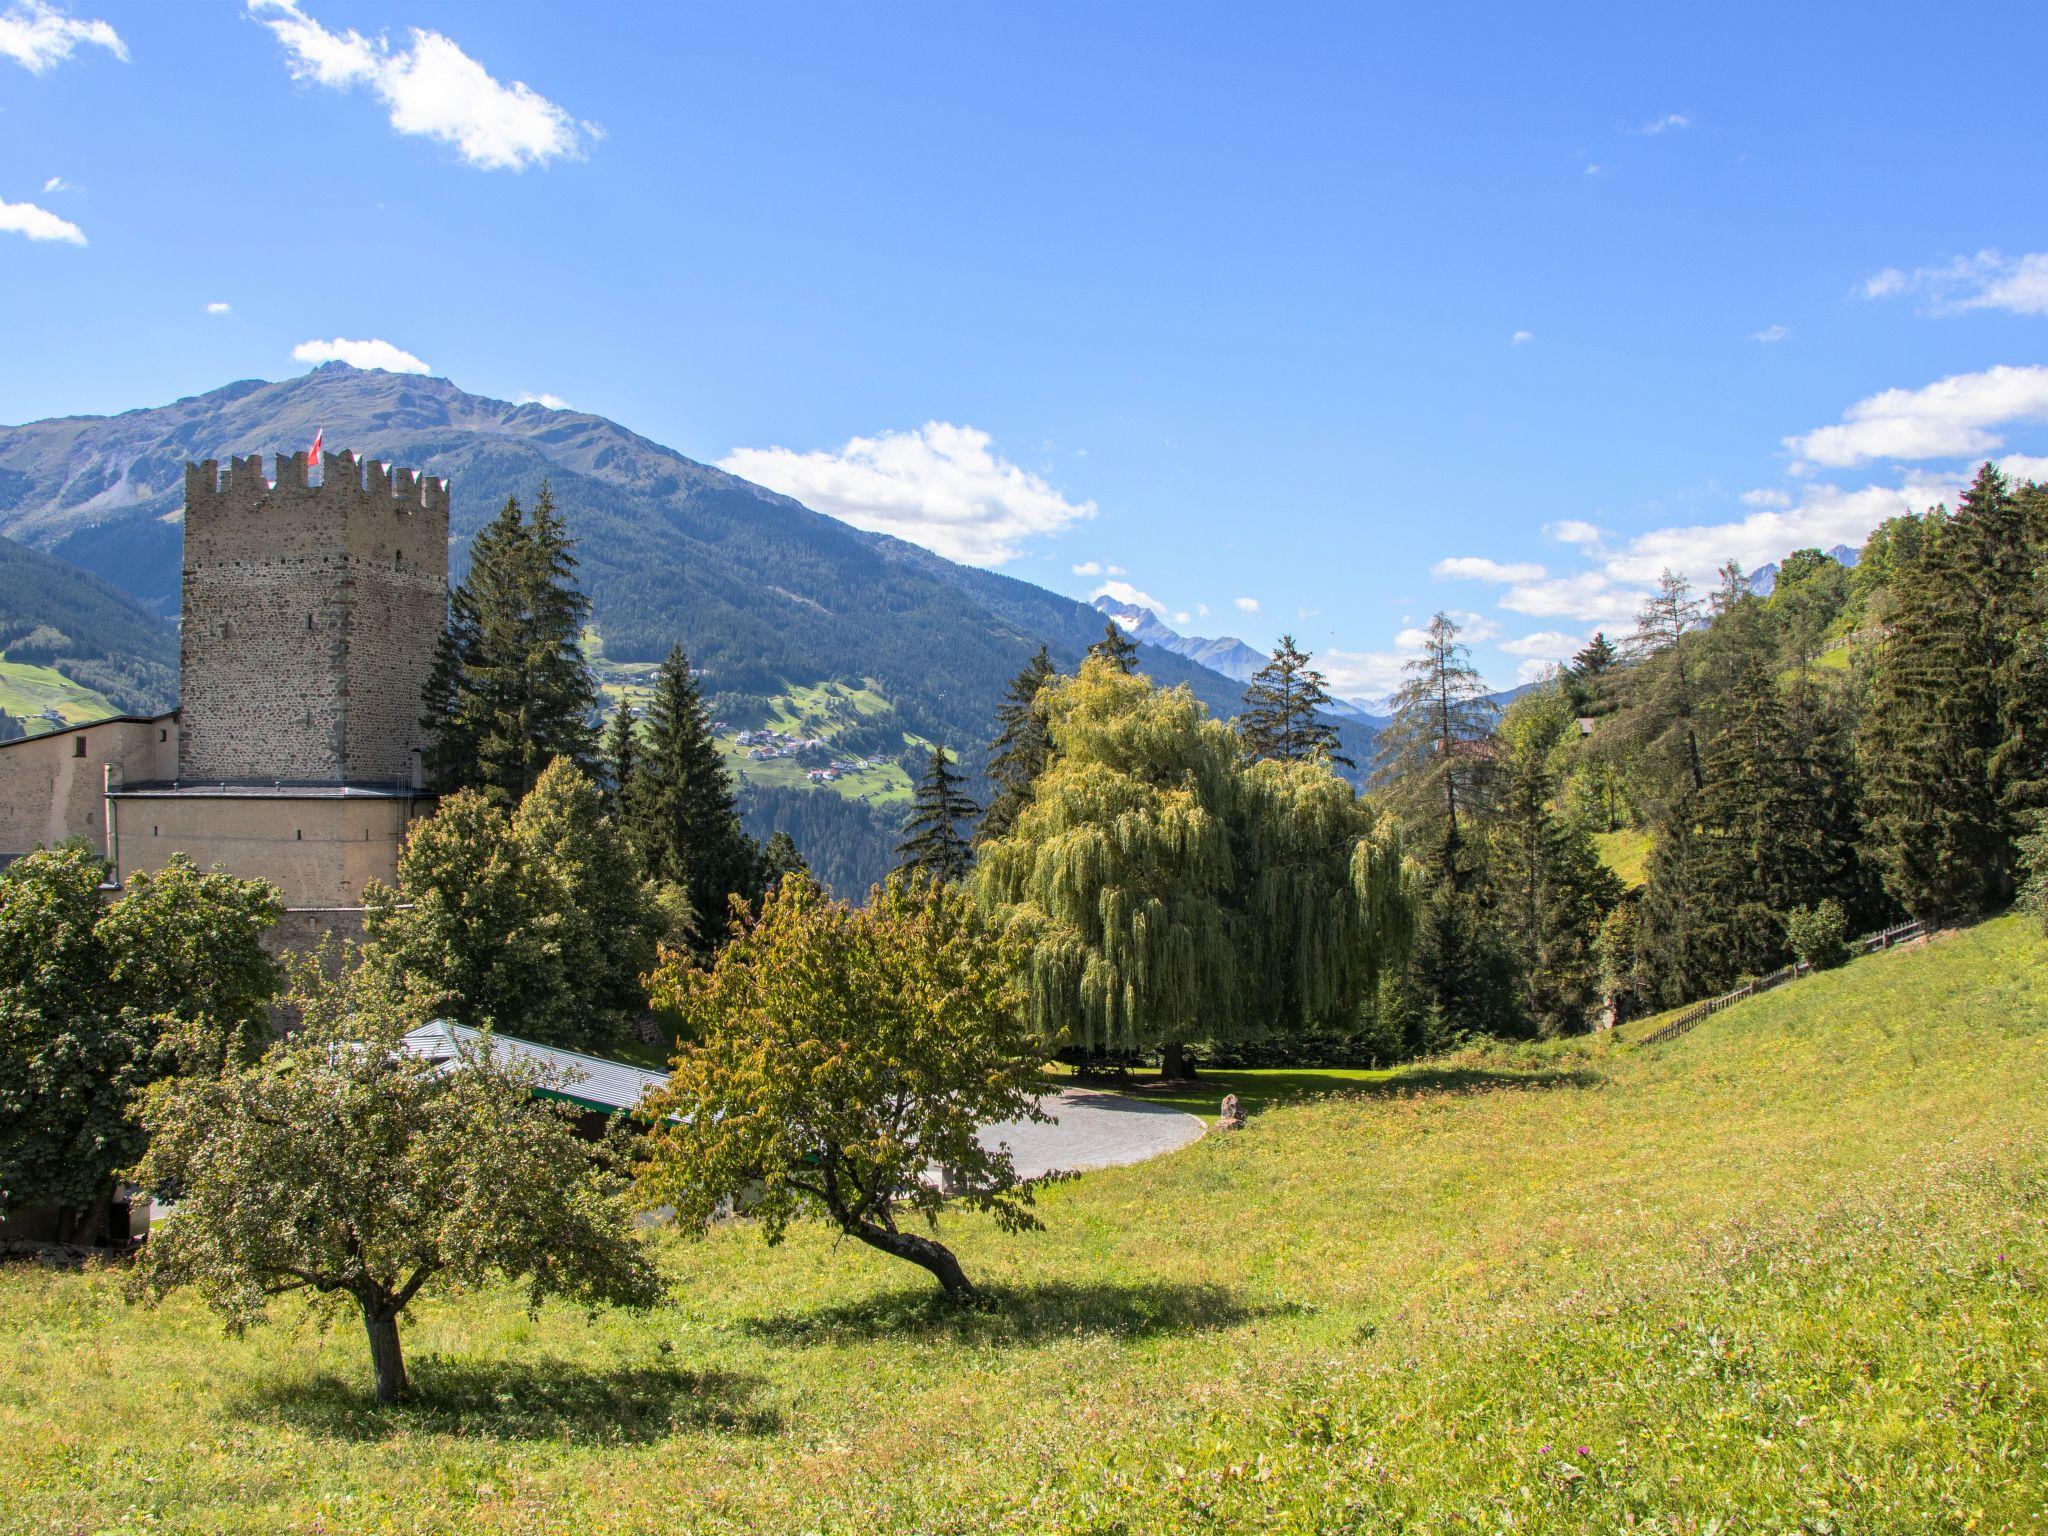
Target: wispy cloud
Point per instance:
(219, 307)
(1130, 596)
(551, 402)
(1988, 280)
(1088, 568)
(1572, 530)
(39, 37)
(1670, 122)
(1361, 674)
(1950, 418)
(1521, 338)
(58, 184)
(431, 89)
(1770, 335)
(1479, 568)
(360, 354)
(1245, 604)
(1546, 644)
(942, 486)
(38, 224)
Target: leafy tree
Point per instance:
(1432, 753)
(1021, 749)
(510, 690)
(932, 837)
(532, 921)
(98, 1000)
(342, 1167)
(835, 1058)
(1166, 894)
(1281, 718)
(681, 816)
(1116, 648)
(1817, 934)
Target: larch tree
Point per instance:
(1665, 692)
(680, 815)
(934, 835)
(1432, 754)
(1021, 748)
(1283, 710)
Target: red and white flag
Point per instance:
(313, 453)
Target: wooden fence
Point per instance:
(1700, 1012)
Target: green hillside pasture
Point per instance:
(1783, 1274)
(27, 690)
(1626, 853)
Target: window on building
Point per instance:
(78, 746)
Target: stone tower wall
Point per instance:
(311, 614)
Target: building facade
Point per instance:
(311, 611)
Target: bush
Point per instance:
(1819, 934)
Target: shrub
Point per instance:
(1819, 934)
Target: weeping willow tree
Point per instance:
(1167, 894)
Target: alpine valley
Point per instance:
(801, 625)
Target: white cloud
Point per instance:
(1479, 568)
(1130, 596)
(1572, 530)
(1088, 568)
(1361, 674)
(1770, 334)
(360, 354)
(1202, 609)
(1766, 496)
(1182, 618)
(1521, 337)
(58, 184)
(1534, 670)
(1950, 418)
(39, 37)
(1595, 170)
(37, 223)
(1117, 570)
(1591, 597)
(2024, 466)
(1670, 122)
(1412, 639)
(940, 486)
(1987, 280)
(551, 402)
(1245, 604)
(219, 307)
(1544, 644)
(432, 89)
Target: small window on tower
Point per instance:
(78, 747)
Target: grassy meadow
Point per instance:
(27, 689)
(1784, 1274)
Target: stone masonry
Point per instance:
(311, 614)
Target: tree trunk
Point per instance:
(921, 1251)
(1174, 1065)
(380, 1322)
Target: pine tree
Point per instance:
(780, 859)
(509, 690)
(1116, 648)
(680, 814)
(933, 839)
(1021, 749)
(621, 751)
(1281, 718)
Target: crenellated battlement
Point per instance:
(345, 481)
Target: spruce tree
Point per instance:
(1429, 757)
(1021, 749)
(933, 839)
(1116, 648)
(680, 813)
(1281, 720)
(509, 690)
(621, 751)
(779, 860)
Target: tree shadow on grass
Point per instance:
(1260, 1090)
(1023, 1314)
(530, 1400)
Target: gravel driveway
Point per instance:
(1093, 1130)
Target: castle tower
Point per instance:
(311, 614)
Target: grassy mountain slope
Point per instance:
(77, 644)
(1783, 1274)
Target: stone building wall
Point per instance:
(318, 851)
(52, 787)
(311, 614)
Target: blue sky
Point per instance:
(1346, 314)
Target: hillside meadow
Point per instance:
(1782, 1274)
